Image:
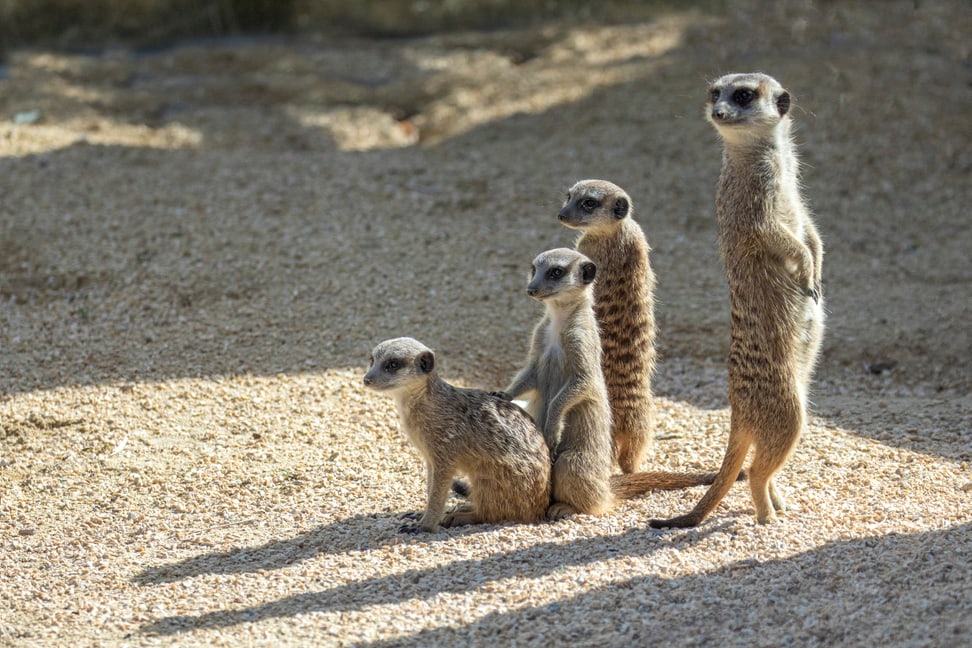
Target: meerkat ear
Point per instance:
(783, 103)
(620, 208)
(588, 271)
(426, 362)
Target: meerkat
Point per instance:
(567, 395)
(493, 442)
(773, 256)
(624, 303)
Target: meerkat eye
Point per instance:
(555, 273)
(743, 96)
(392, 366)
(589, 204)
(714, 95)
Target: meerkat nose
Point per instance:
(532, 292)
(562, 215)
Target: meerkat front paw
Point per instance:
(413, 528)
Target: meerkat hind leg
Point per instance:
(779, 502)
(631, 452)
(560, 510)
(461, 516)
(575, 490)
(766, 498)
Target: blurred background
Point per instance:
(84, 24)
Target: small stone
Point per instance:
(27, 117)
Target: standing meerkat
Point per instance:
(624, 303)
(568, 398)
(468, 431)
(773, 255)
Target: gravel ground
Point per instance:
(199, 246)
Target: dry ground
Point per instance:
(199, 246)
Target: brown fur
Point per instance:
(466, 431)
(624, 303)
(773, 260)
(564, 384)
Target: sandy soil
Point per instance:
(199, 247)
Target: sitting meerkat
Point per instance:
(495, 443)
(568, 398)
(773, 256)
(624, 303)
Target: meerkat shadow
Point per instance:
(357, 533)
(729, 524)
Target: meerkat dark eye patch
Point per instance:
(783, 103)
(555, 273)
(589, 204)
(391, 366)
(743, 96)
(714, 95)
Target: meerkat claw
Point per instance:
(410, 529)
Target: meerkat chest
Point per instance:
(553, 349)
(414, 425)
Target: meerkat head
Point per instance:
(595, 206)
(561, 275)
(747, 107)
(401, 363)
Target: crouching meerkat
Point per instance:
(567, 397)
(468, 431)
(773, 255)
(624, 303)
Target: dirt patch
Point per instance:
(199, 247)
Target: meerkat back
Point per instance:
(624, 303)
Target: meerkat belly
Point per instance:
(768, 315)
(550, 380)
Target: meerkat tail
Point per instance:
(630, 485)
(730, 472)
(460, 487)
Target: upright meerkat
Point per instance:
(624, 303)
(468, 431)
(773, 255)
(568, 398)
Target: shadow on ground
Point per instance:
(846, 579)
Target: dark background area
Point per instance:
(85, 25)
